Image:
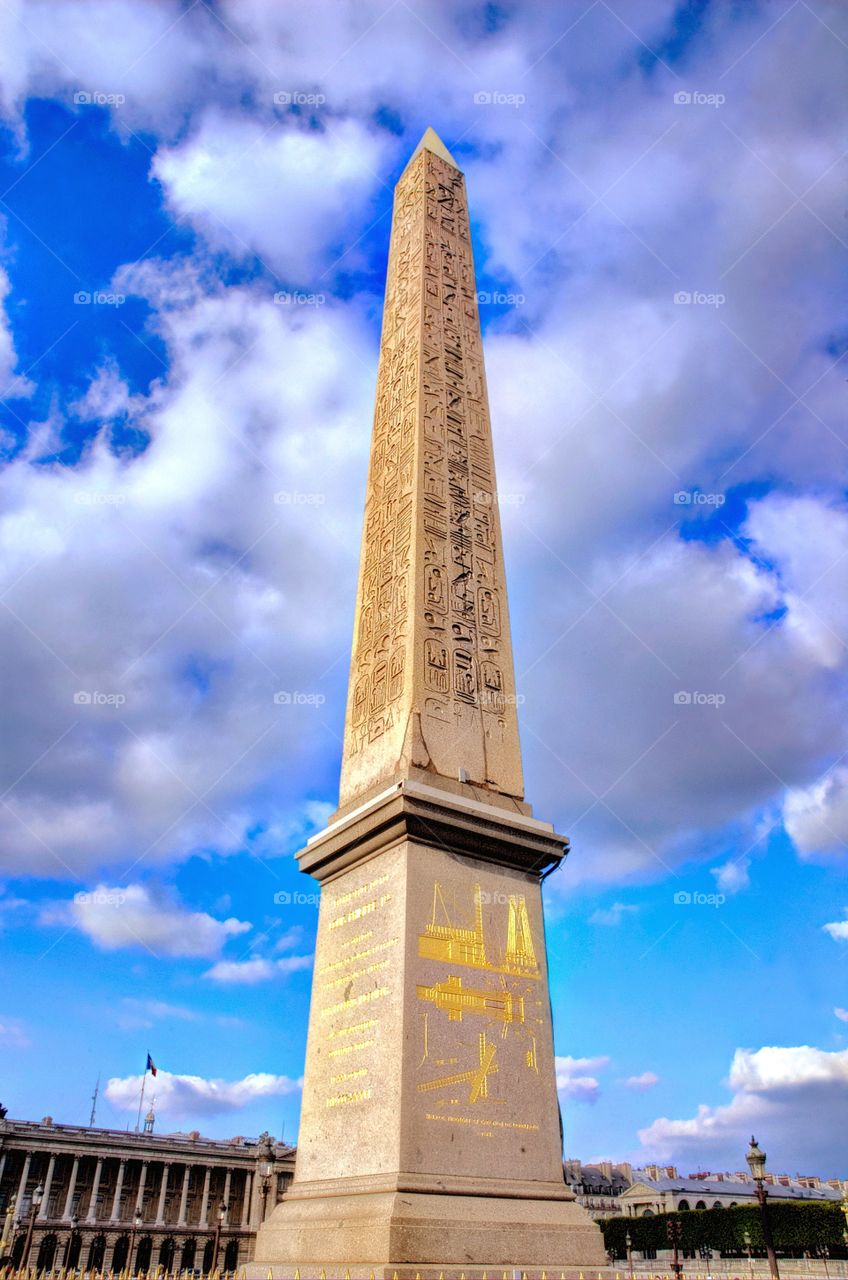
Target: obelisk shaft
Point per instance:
(432, 687)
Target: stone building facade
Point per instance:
(95, 1182)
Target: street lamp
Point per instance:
(74, 1225)
(222, 1213)
(628, 1244)
(136, 1224)
(757, 1164)
(37, 1197)
(265, 1167)
(674, 1231)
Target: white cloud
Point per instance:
(13, 1033)
(250, 972)
(841, 1014)
(187, 1095)
(642, 1082)
(143, 1013)
(733, 876)
(775, 1091)
(838, 929)
(135, 916)
(612, 915)
(816, 817)
(576, 1078)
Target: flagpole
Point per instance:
(141, 1100)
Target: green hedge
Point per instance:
(797, 1229)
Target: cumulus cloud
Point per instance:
(188, 1096)
(838, 929)
(733, 876)
(816, 817)
(577, 1077)
(774, 1090)
(136, 916)
(643, 1082)
(257, 969)
(612, 915)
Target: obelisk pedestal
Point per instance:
(430, 1133)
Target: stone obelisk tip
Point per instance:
(430, 141)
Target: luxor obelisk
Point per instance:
(429, 1133)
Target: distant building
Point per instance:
(648, 1196)
(94, 1180)
(598, 1187)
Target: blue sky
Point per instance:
(658, 223)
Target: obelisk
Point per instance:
(429, 1133)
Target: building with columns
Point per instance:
(106, 1191)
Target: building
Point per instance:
(598, 1186)
(106, 1191)
(648, 1196)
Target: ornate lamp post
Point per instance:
(757, 1164)
(70, 1240)
(35, 1205)
(222, 1214)
(136, 1224)
(628, 1244)
(265, 1158)
(674, 1231)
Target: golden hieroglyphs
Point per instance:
(432, 671)
(443, 940)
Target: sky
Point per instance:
(195, 203)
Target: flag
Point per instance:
(151, 1065)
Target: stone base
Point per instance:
(418, 1232)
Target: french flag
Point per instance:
(151, 1065)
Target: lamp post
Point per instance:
(757, 1164)
(222, 1213)
(70, 1240)
(136, 1224)
(35, 1205)
(674, 1231)
(628, 1244)
(265, 1168)
(746, 1236)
